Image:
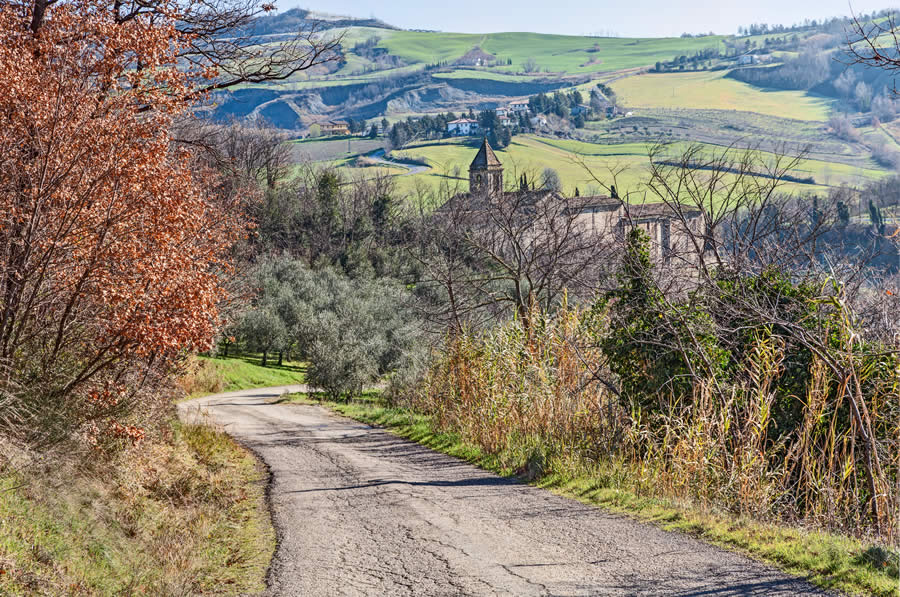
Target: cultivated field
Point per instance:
(711, 90)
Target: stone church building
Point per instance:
(603, 215)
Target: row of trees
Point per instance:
(559, 103)
(351, 331)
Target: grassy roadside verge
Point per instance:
(829, 560)
(211, 375)
(182, 515)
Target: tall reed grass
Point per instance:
(540, 400)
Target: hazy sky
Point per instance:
(649, 18)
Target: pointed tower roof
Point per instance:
(485, 159)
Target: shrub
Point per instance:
(842, 127)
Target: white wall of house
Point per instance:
(462, 127)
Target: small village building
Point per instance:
(506, 121)
(519, 106)
(335, 127)
(501, 112)
(580, 109)
(463, 127)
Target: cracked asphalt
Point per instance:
(361, 512)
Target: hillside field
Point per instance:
(553, 53)
(586, 165)
(712, 90)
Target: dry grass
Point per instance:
(182, 514)
(830, 560)
(534, 403)
(201, 377)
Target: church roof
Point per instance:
(485, 158)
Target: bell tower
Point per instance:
(486, 173)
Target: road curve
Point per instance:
(411, 169)
(362, 512)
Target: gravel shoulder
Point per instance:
(360, 511)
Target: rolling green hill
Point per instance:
(701, 95)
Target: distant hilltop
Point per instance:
(290, 21)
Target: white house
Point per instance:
(462, 127)
(518, 106)
(501, 112)
(506, 121)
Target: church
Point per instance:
(602, 215)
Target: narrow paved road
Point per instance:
(411, 169)
(362, 512)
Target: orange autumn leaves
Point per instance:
(113, 241)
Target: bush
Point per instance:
(843, 128)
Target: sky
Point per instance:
(625, 18)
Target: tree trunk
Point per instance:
(265, 359)
(280, 358)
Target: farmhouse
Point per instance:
(518, 106)
(607, 216)
(335, 127)
(462, 127)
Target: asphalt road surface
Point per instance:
(361, 512)
(411, 169)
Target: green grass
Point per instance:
(554, 53)
(712, 90)
(531, 155)
(210, 375)
(579, 163)
(178, 516)
(829, 560)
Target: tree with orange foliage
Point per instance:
(113, 239)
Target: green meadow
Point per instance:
(712, 90)
(593, 167)
(553, 53)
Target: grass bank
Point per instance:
(211, 375)
(829, 560)
(180, 515)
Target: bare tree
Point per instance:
(875, 44)
(524, 250)
(219, 46)
(254, 149)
